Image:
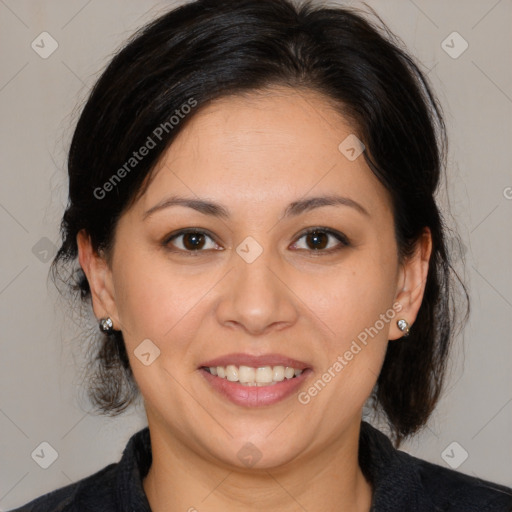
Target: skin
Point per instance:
(255, 154)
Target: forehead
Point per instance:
(265, 148)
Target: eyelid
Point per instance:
(343, 239)
(340, 237)
(185, 231)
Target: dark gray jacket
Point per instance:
(401, 483)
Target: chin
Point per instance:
(258, 452)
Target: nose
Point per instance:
(256, 297)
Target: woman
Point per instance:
(251, 206)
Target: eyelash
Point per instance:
(344, 242)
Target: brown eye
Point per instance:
(317, 240)
(320, 240)
(191, 241)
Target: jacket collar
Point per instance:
(392, 473)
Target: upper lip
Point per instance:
(240, 359)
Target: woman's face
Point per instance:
(253, 285)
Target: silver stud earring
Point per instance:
(403, 325)
(106, 325)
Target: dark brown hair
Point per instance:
(210, 49)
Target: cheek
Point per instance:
(153, 299)
(356, 304)
(358, 311)
(157, 302)
(353, 298)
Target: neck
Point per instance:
(331, 479)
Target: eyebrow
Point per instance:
(293, 209)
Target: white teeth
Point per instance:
(231, 373)
(264, 374)
(289, 372)
(248, 376)
(259, 384)
(278, 374)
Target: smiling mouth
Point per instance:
(250, 376)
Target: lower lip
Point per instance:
(255, 396)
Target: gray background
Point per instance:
(41, 347)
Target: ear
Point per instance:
(411, 283)
(99, 275)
